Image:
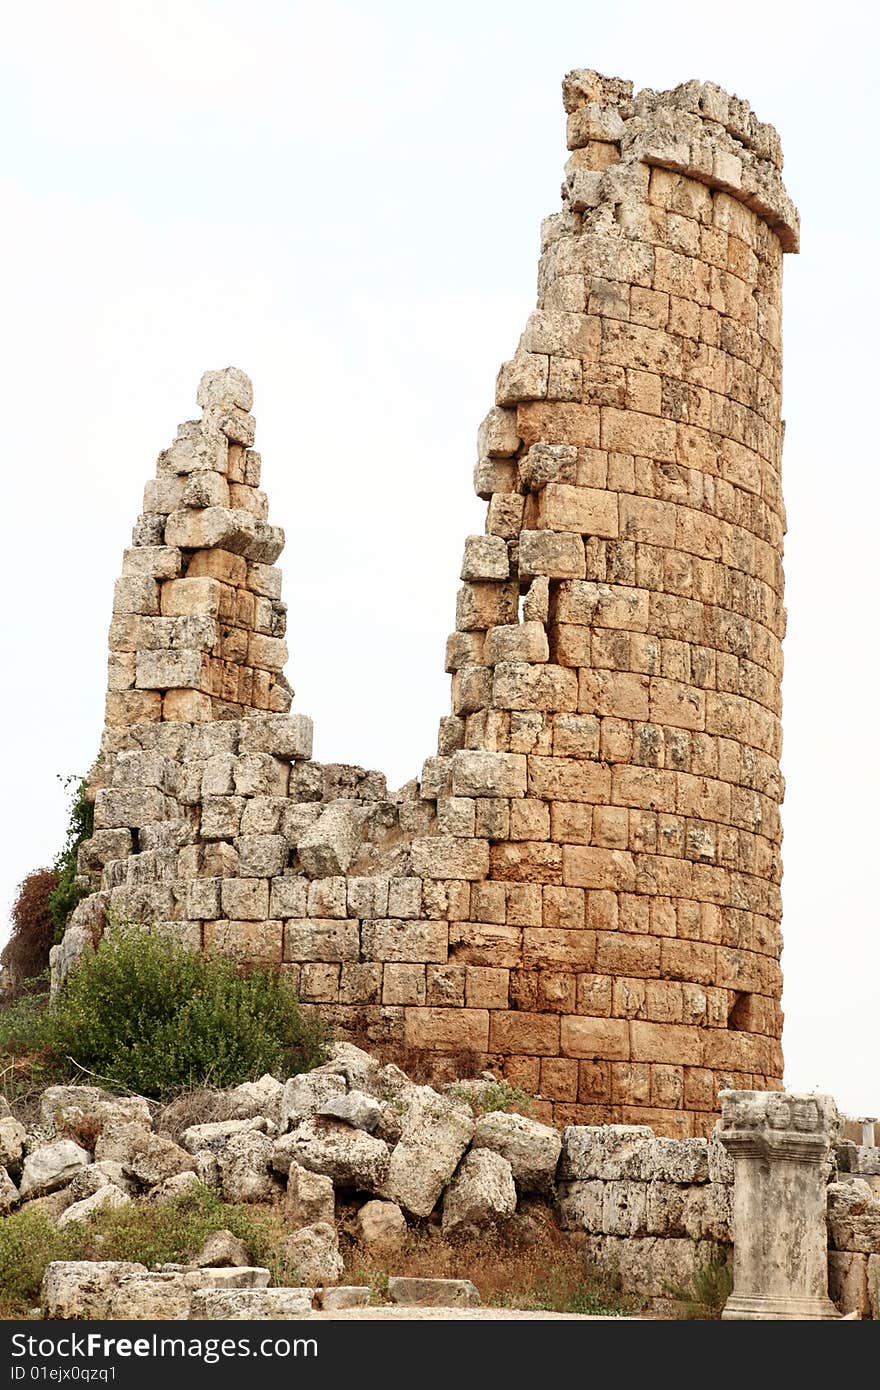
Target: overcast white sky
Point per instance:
(344, 199)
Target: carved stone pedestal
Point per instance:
(780, 1145)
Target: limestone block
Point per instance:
(62, 1108)
(312, 1254)
(136, 593)
(310, 1197)
(482, 605)
(520, 686)
(381, 1227)
(350, 1157)
(584, 510)
(216, 1134)
(12, 1139)
(435, 1134)
(548, 463)
(497, 436)
(328, 846)
(853, 1216)
(485, 557)
(282, 735)
(267, 653)
(9, 1197)
(624, 1208)
(262, 856)
(51, 1166)
(152, 561)
(481, 1193)
(345, 1296)
(204, 489)
(227, 528)
(557, 554)
(221, 817)
(404, 898)
(155, 1159)
(83, 1288)
(115, 808)
(245, 1168)
(356, 1109)
(874, 1285)
(389, 939)
(169, 670)
(433, 1293)
(197, 597)
(479, 774)
(532, 1149)
(288, 897)
(245, 899)
(186, 706)
(610, 1152)
(848, 1282)
(321, 939)
(107, 1196)
(580, 1205)
(145, 1298)
(259, 774)
(444, 857)
(229, 386)
(492, 476)
(681, 1160)
(524, 378)
(245, 1305)
(304, 1095)
(258, 1098)
(525, 641)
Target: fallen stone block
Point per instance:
(433, 1293)
(482, 1193)
(252, 1304)
(83, 1288)
(52, 1166)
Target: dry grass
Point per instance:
(204, 1106)
(530, 1265)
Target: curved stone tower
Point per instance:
(583, 889)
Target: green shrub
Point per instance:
(488, 1096)
(172, 1232)
(67, 892)
(149, 1015)
(29, 1241)
(152, 1233)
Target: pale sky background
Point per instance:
(345, 200)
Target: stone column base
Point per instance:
(772, 1309)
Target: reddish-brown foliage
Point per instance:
(25, 957)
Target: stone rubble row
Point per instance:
(408, 1153)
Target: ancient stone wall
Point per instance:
(583, 887)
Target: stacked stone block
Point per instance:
(582, 889)
(198, 623)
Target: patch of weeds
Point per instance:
(68, 891)
(29, 1241)
(484, 1097)
(712, 1285)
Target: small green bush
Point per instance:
(172, 1232)
(151, 1016)
(152, 1233)
(67, 892)
(29, 1241)
(486, 1097)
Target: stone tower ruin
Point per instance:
(582, 889)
